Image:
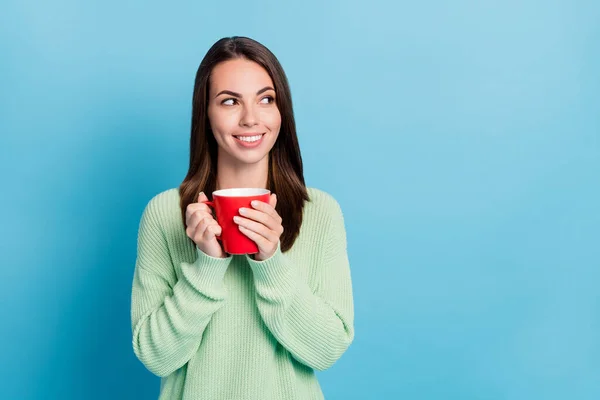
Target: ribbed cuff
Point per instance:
(275, 271)
(206, 274)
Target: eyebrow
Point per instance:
(234, 94)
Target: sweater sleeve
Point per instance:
(169, 315)
(315, 327)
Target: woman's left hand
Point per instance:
(263, 225)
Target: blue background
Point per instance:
(462, 141)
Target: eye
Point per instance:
(267, 100)
(229, 102)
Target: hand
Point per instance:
(203, 229)
(262, 224)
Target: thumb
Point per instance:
(273, 200)
(202, 197)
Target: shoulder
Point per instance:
(321, 198)
(323, 204)
(164, 199)
(323, 220)
(162, 207)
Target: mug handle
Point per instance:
(212, 205)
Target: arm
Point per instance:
(316, 328)
(168, 317)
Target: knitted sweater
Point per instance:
(235, 328)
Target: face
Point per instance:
(242, 111)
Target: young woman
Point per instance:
(234, 327)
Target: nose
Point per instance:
(249, 116)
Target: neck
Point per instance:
(240, 175)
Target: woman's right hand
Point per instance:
(203, 229)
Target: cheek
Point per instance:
(220, 122)
(272, 120)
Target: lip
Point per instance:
(249, 145)
(250, 134)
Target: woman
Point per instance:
(217, 326)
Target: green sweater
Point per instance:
(234, 328)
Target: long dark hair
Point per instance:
(286, 177)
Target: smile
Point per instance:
(249, 141)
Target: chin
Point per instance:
(251, 158)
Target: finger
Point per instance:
(266, 208)
(193, 227)
(196, 207)
(217, 230)
(215, 227)
(202, 197)
(194, 217)
(202, 228)
(197, 217)
(189, 231)
(201, 200)
(260, 240)
(260, 216)
(273, 200)
(211, 231)
(257, 227)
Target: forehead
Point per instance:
(239, 75)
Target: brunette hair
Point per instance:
(286, 177)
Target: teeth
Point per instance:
(249, 138)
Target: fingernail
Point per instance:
(254, 203)
(242, 211)
(236, 219)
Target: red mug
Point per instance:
(227, 203)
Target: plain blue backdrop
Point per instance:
(462, 140)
